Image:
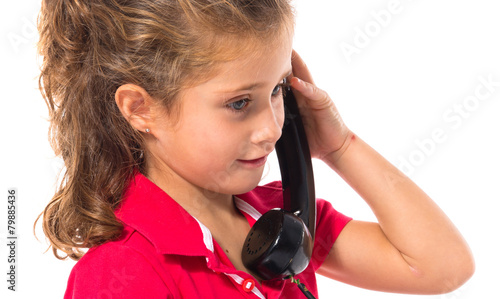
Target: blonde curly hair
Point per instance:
(89, 49)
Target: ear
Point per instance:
(135, 104)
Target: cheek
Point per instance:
(213, 142)
(279, 112)
(214, 165)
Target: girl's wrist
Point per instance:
(333, 157)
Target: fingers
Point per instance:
(302, 82)
(315, 97)
(299, 68)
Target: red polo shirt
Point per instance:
(164, 252)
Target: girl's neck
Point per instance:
(200, 203)
(216, 211)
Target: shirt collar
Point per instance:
(170, 228)
(166, 224)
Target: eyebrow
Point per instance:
(253, 85)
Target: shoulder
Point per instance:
(329, 222)
(117, 269)
(327, 215)
(329, 225)
(325, 212)
(273, 194)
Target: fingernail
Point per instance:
(299, 81)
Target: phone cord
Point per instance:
(302, 287)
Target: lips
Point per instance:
(255, 162)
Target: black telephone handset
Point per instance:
(280, 243)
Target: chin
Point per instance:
(244, 186)
(235, 183)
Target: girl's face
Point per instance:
(226, 127)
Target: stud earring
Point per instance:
(147, 130)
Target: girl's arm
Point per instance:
(414, 247)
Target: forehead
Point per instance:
(264, 68)
(253, 57)
(255, 67)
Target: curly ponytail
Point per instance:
(89, 49)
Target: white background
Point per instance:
(412, 66)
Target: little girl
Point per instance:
(164, 112)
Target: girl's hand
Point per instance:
(414, 247)
(327, 134)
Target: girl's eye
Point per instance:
(276, 90)
(238, 106)
(280, 88)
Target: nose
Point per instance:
(269, 125)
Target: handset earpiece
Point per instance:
(280, 243)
